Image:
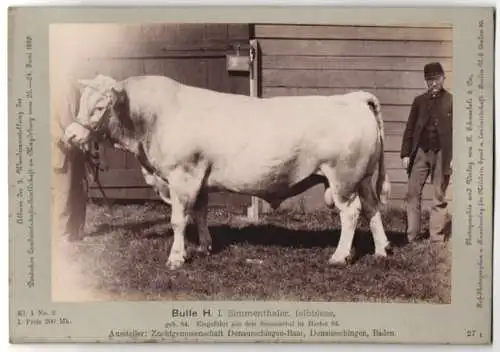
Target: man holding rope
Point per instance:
(69, 188)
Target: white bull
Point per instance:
(191, 141)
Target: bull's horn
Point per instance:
(104, 81)
(86, 82)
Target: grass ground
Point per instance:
(284, 257)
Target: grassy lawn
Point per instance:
(284, 257)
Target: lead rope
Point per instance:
(93, 166)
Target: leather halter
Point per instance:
(98, 128)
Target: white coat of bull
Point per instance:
(192, 141)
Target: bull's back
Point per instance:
(314, 124)
(251, 141)
(278, 142)
(233, 112)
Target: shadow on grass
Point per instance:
(265, 234)
(130, 250)
(135, 227)
(271, 235)
(224, 236)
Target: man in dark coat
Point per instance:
(69, 188)
(427, 151)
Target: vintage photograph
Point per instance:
(251, 162)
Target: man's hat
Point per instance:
(433, 69)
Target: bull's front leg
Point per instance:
(185, 184)
(179, 220)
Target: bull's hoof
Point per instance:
(339, 261)
(175, 262)
(389, 249)
(380, 253)
(204, 250)
(384, 252)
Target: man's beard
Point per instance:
(435, 89)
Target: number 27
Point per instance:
(473, 333)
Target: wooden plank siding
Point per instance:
(398, 33)
(194, 54)
(386, 61)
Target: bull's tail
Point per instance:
(382, 186)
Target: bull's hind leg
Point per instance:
(200, 213)
(342, 195)
(349, 207)
(184, 188)
(369, 205)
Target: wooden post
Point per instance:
(254, 210)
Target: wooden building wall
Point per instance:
(295, 60)
(387, 61)
(193, 54)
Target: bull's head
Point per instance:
(98, 97)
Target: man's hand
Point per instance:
(405, 162)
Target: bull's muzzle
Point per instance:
(76, 135)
